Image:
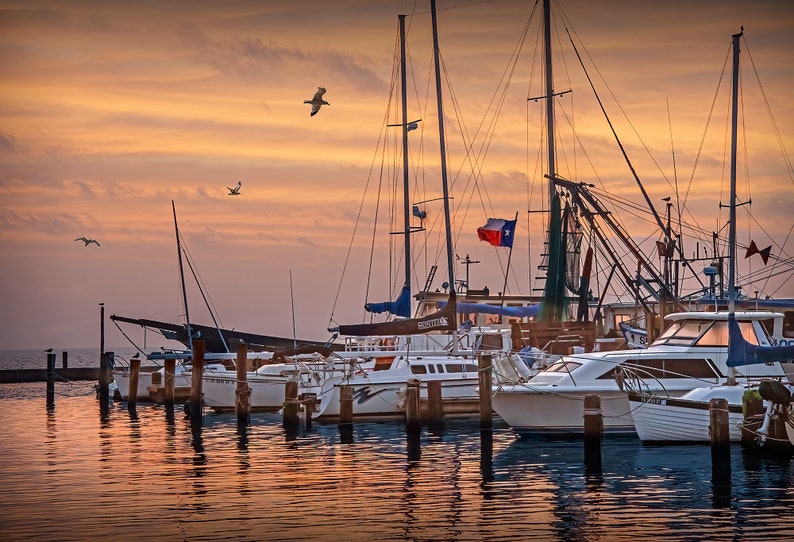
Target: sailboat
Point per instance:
(399, 347)
(686, 419)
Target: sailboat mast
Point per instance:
(444, 185)
(182, 277)
(732, 205)
(549, 96)
(406, 195)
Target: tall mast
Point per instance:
(732, 204)
(182, 277)
(549, 96)
(406, 195)
(447, 221)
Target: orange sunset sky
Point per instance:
(110, 110)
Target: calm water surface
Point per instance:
(78, 473)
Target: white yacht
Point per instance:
(691, 353)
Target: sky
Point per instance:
(110, 111)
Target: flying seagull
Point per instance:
(236, 190)
(87, 241)
(317, 101)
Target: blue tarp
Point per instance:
(399, 307)
(740, 352)
(518, 312)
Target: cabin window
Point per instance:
(668, 368)
(454, 368)
(418, 369)
(562, 366)
(788, 324)
(471, 368)
(431, 368)
(683, 333)
(717, 335)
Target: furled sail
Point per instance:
(399, 307)
(553, 307)
(441, 320)
(741, 352)
(526, 311)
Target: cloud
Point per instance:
(253, 58)
(7, 143)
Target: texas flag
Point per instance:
(498, 232)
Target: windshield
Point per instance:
(703, 333)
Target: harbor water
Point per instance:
(79, 472)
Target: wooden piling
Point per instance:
(412, 419)
(168, 389)
(105, 375)
(345, 405)
(435, 403)
(593, 432)
(291, 415)
(485, 389)
(50, 381)
(132, 389)
(65, 359)
(242, 404)
(197, 381)
(719, 428)
(753, 413)
(309, 401)
(719, 432)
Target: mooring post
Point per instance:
(105, 375)
(485, 376)
(719, 425)
(435, 402)
(291, 414)
(132, 389)
(412, 416)
(719, 431)
(345, 405)
(168, 389)
(197, 382)
(309, 401)
(242, 405)
(50, 381)
(593, 431)
(753, 414)
(65, 359)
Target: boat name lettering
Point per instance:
(442, 321)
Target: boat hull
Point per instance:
(557, 411)
(662, 419)
(374, 398)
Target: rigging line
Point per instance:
(769, 112)
(675, 169)
(366, 188)
(625, 156)
(201, 287)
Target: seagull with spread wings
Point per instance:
(87, 241)
(317, 101)
(236, 190)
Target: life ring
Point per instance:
(387, 343)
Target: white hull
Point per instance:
(267, 394)
(122, 379)
(377, 397)
(686, 418)
(560, 411)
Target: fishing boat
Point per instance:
(660, 419)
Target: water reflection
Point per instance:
(223, 481)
